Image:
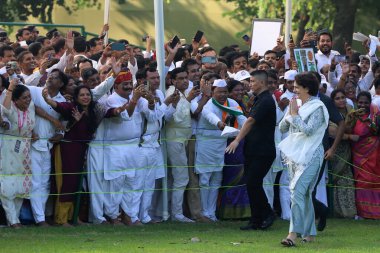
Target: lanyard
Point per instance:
(20, 123)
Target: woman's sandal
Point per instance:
(288, 242)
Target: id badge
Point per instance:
(17, 146)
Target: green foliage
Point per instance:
(21, 10)
(316, 14)
(248, 9)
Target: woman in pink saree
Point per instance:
(365, 126)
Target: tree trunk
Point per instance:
(303, 20)
(344, 22)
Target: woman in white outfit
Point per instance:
(303, 152)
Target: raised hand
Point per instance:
(69, 41)
(116, 66)
(293, 107)
(44, 66)
(77, 115)
(45, 94)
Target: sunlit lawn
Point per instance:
(339, 236)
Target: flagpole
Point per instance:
(160, 58)
(106, 18)
(288, 21)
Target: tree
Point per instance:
(336, 15)
(21, 10)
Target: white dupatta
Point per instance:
(299, 147)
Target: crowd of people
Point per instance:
(79, 115)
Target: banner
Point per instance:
(305, 59)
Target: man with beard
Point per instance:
(325, 55)
(24, 34)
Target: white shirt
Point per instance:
(179, 125)
(127, 128)
(44, 128)
(100, 90)
(376, 100)
(34, 79)
(154, 126)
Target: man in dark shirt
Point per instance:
(259, 150)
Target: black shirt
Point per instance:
(334, 116)
(260, 139)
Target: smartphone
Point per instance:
(196, 84)
(208, 59)
(11, 65)
(291, 38)
(198, 36)
(144, 38)
(340, 58)
(174, 42)
(118, 46)
(245, 37)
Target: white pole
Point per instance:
(106, 18)
(160, 58)
(288, 21)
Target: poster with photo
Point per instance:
(305, 59)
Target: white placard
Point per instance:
(264, 34)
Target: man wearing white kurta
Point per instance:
(122, 164)
(210, 145)
(178, 131)
(96, 183)
(40, 152)
(150, 151)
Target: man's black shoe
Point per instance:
(250, 226)
(267, 222)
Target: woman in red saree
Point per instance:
(366, 156)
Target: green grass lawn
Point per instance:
(339, 236)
